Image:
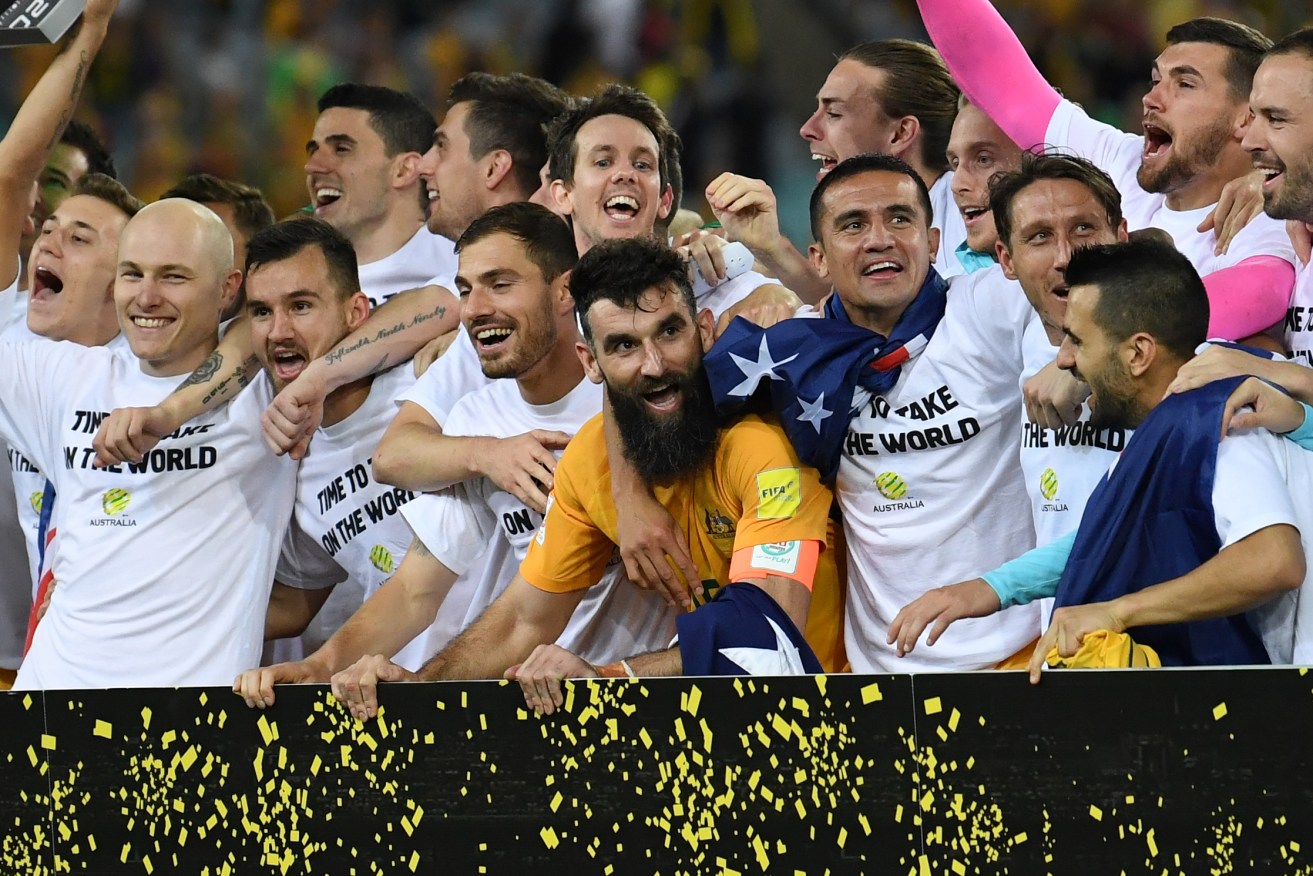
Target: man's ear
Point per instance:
(1139, 352)
(357, 310)
(816, 255)
(497, 165)
(707, 328)
(405, 169)
(228, 293)
(561, 296)
(1005, 260)
(905, 131)
(561, 197)
(933, 239)
(589, 361)
(667, 202)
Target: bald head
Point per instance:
(175, 277)
(211, 238)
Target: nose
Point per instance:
(1067, 354)
(654, 364)
(878, 238)
(316, 162)
(1153, 98)
(811, 129)
(281, 329)
(428, 163)
(474, 304)
(1063, 255)
(147, 294)
(1255, 139)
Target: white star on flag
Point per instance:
(814, 412)
(784, 660)
(753, 372)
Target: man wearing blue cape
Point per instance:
(1192, 546)
(905, 395)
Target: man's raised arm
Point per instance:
(40, 123)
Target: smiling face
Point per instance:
(507, 306)
(174, 279)
(978, 149)
(452, 176)
(848, 119)
(298, 314)
(875, 245)
(1280, 138)
(348, 172)
(71, 272)
(1051, 218)
(650, 358)
(1091, 356)
(617, 191)
(1190, 116)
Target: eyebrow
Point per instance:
(312, 144)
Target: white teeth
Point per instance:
(488, 334)
(622, 201)
(433, 194)
(879, 266)
(148, 322)
(327, 194)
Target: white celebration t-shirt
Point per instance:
(164, 566)
(427, 259)
(350, 518)
(615, 619)
(930, 484)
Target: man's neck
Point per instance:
(346, 400)
(929, 175)
(1206, 188)
(384, 240)
(555, 375)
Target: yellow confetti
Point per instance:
(1153, 846)
(47, 742)
(548, 835)
(933, 706)
(104, 729)
(145, 717)
(871, 694)
(1096, 813)
(1219, 711)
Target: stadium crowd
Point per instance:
(495, 405)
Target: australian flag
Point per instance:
(808, 370)
(742, 631)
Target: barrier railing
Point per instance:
(1160, 771)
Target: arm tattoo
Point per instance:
(73, 94)
(243, 374)
(340, 353)
(205, 372)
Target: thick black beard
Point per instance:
(663, 450)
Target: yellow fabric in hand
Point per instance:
(1104, 649)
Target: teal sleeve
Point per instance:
(1033, 575)
(1303, 436)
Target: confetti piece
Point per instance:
(871, 694)
(47, 742)
(933, 706)
(1219, 711)
(104, 729)
(1096, 813)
